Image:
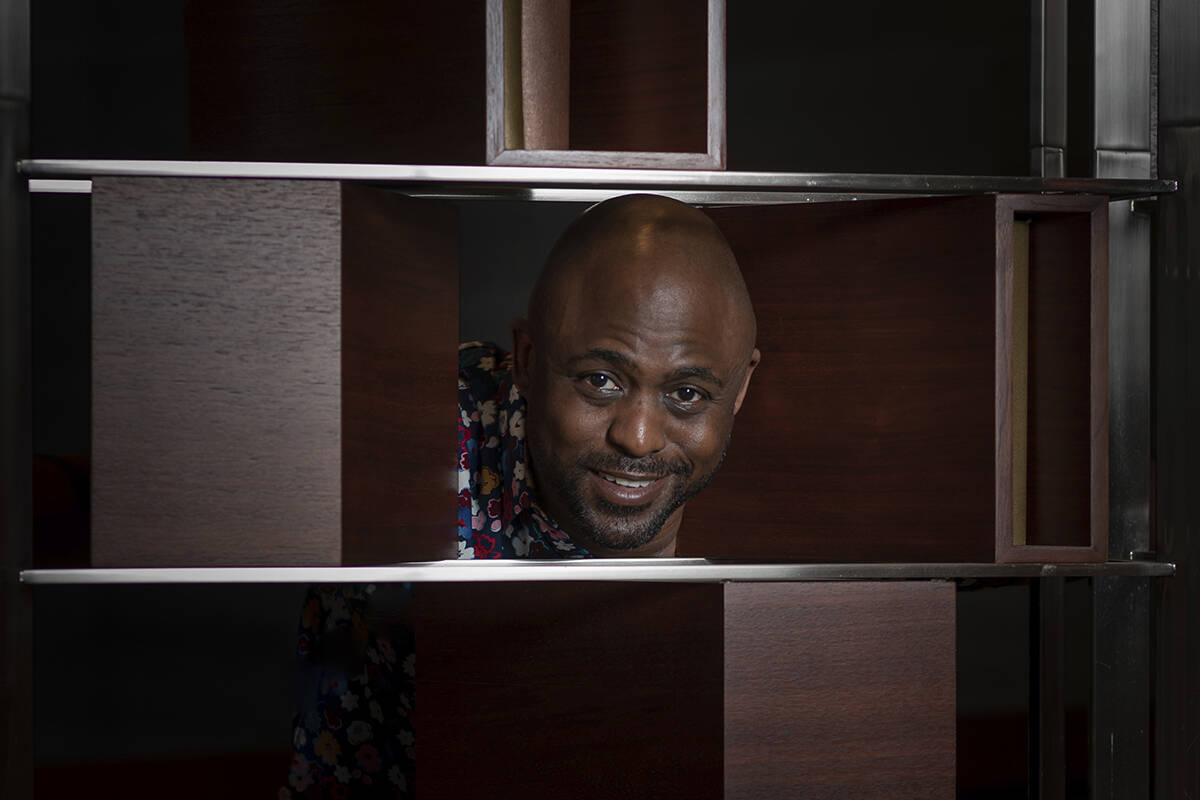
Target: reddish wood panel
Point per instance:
(639, 75)
(568, 690)
(1059, 376)
(272, 367)
(839, 690)
(388, 81)
(868, 431)
(545, 95)
(399, 337)
(216, 386)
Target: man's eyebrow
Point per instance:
(622, 360)
(601, 354)
(703, 373)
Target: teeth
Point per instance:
(626, 483)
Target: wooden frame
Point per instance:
(499, 100)
(1008, 441)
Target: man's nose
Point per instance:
(637, 427)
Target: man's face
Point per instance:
(632, 390)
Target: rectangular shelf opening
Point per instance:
(606, 83)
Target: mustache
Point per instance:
(650, 466)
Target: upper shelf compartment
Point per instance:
(605, 83)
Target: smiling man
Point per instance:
(612, 412)
(619, 398)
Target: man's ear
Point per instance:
(522, 353)
(754, 359)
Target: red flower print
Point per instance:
(485, 546)
(464, 498)
(494, 507)
(333, 719)
(368, 758)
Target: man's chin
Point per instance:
(623, 528)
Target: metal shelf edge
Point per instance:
(520, 178)
(665, 570)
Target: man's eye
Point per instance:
(600, 382)
(686, 395)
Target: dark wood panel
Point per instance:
(216, 372)
(190, 777)
(568, 690)
(360, 81)
(399, 357)
(868, 430)
(839, 690)
(1059, 378)
(639, 75)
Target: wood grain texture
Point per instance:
(867, 433)
(839, 690)
(545, 73)
(216, 372)
(399, 366)
(363, 81)
(646, 87)
(878, 426)
(574, 690)
(274, 374)
(1059, 367)
(639, 75)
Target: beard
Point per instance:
(613, 526)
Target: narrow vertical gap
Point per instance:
(1020, 380)
(1081, 70)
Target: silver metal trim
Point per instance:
(59, 186)
(664, 570)
(492, 178)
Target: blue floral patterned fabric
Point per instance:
(498, 514)
(353, 735)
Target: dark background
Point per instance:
(940, 86)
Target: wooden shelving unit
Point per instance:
(931, 415)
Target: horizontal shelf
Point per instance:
(673, 570)
(566, 183)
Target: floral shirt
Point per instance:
(353, 736)
(498, 516)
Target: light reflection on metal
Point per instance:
(485, 181)
(690, 570)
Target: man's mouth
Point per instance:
(631, 483)
(627, 489)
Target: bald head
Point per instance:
(635, 358)
(633, 247)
